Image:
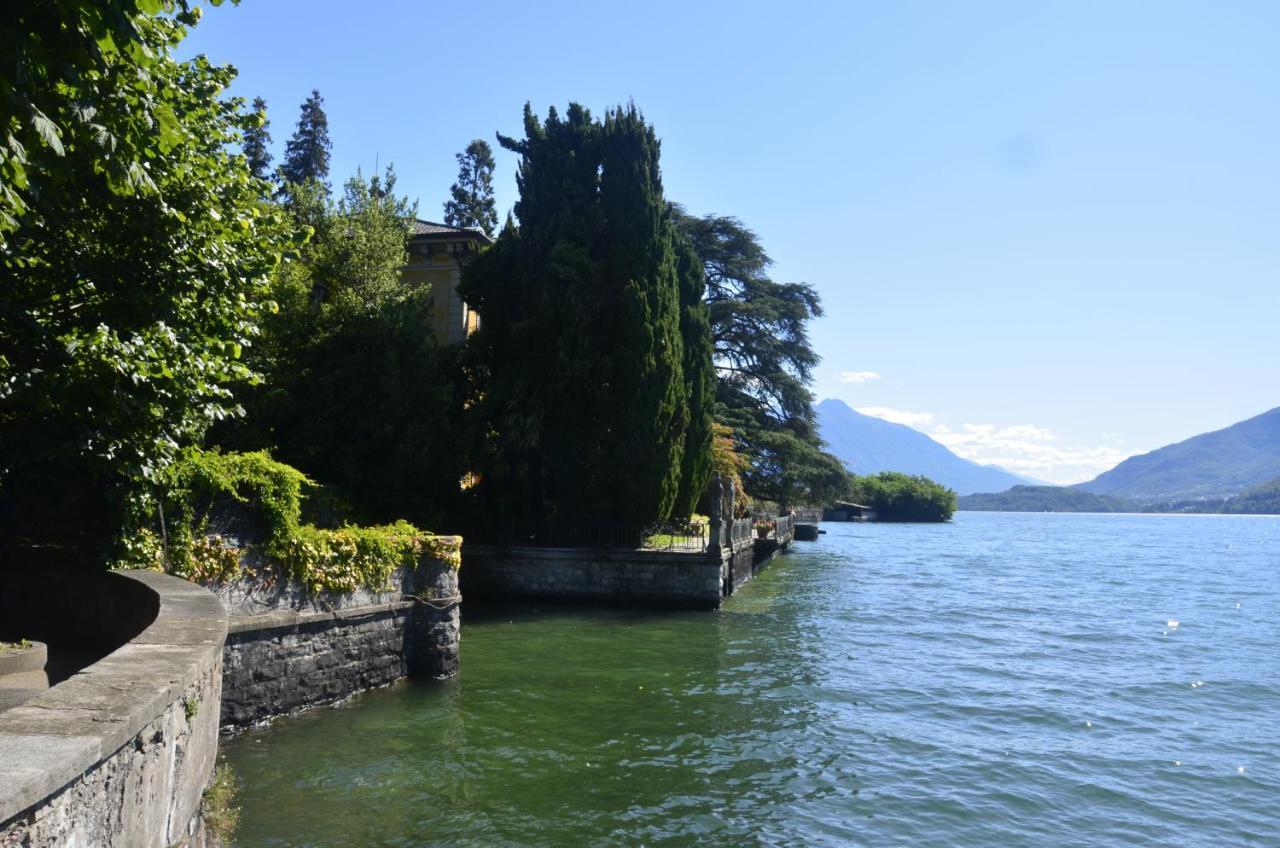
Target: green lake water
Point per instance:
(1002, 680)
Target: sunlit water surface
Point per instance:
(1006, 679)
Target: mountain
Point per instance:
(869, 445)
(1263, 499)
(1044, 499)
(1260, 500)
(1209, 466)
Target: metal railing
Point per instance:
(740, 530)
(661, 536)
(808, 516)
(683, 536)
(785, 525)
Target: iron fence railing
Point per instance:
(740, 530)
(785, 526)
(661, 536)
(808, 516)
(684, 536)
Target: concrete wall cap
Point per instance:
(50, 741)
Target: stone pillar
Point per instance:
(715, 506)
(435, 625)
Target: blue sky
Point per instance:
(1048, 234)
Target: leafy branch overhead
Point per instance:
(132, 282)
(76, 91)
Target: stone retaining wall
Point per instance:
(664, 579)
(120, 753)
(305, 651)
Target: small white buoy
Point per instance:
(1177, 762)
(1088, 724)
(1239, 769)
(1172, 623)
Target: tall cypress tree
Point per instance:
(585, 398)
(700, 379)
(256, 140)
(471, 204)
(306, 156)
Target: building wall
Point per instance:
(452, 319)
(443, 288)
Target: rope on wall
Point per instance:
(436, 603)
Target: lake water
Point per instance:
(1003, 680)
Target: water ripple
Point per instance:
(1005, 680)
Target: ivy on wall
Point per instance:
(215, 508)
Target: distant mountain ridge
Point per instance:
(868, 445)
(1211, 466)
(1044, 499)
(1263, 499)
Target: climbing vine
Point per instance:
(216, 509)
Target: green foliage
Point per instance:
(306, 154)
(77, 77)
(257, 138)
(764, 362)
(134, 269)
(360, 250)
(356, 391)
(471, 204)
(201, 497)
(216, 508)
(899, 497)
(218, 805)
(700, 381)
(190, 707)
(348, 558)
(585, 406)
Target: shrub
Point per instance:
(899, 497)
(216, 507)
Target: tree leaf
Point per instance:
(48, 130)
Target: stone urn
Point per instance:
(22, 665)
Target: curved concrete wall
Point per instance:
(120, 752)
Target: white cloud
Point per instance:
(858, 376)
(1029, 450)
(897, 416)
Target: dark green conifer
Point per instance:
(471, 204)
(700, 379)
(306, 156)
(585, 400)
(257, 137)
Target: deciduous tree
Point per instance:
(73, 73)
(127, 301)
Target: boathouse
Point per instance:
(846, 511)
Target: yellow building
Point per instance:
(437, 254)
